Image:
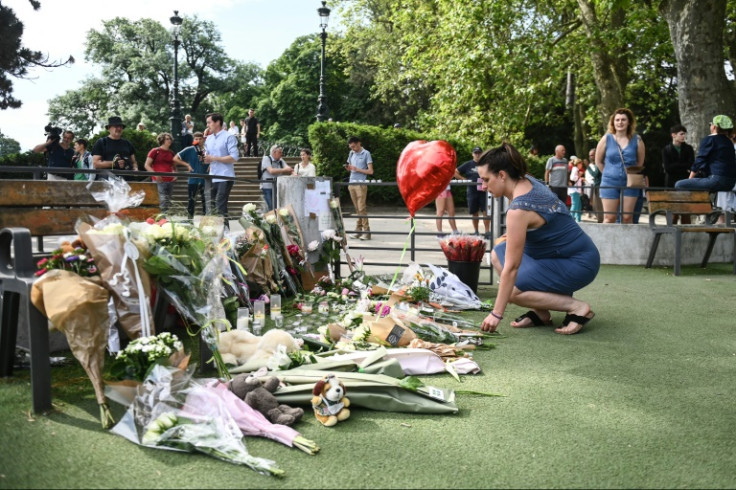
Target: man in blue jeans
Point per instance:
(272, 166)
(221, 153)
(477, 197)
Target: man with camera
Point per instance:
(58, 151)
(113, 151)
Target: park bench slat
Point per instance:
(57, 221)
(38, 193)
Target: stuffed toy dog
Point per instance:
(329, 401)
(257, 391)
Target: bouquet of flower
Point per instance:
(166, 414)
(78, 307)
(72, 257)
(116, 257)
(252, 252)
(463, 248)
(340, 228)
(136, 360)
(189, 265)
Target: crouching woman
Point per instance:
(546, 255)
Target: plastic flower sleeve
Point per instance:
(116, 194)
(166, 414)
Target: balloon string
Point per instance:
(403, 252)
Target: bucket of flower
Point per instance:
(464, 255)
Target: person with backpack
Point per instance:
(271, 167)
(162, 159)
(82, 159)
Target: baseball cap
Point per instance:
(723, 122)
(478, 149)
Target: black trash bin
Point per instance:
(467, 272)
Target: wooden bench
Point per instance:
(41, 208)
(689, 203)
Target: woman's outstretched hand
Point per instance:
(490, 323)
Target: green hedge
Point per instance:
(27, 159)
(329, 143)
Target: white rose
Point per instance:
(284, 212)
(312, 246)
(334, 203)
(166, 230)
(249, 208)
(271, 219)
(328, 234)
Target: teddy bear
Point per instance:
(240, 346)
(257, 391)
(329, 401)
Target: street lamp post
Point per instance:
(324, 17)
(175, 106)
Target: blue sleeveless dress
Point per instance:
(614, 173)
(558, 256)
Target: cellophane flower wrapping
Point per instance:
(116, 257)
(463, 248)
(168, 413)
(78, 307)
(188, 263)
(251, 249)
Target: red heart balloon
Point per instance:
(423, 171)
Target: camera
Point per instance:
(52, 133)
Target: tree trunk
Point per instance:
(696, 31)
(610, 67)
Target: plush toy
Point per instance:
(257, 391)
(329, 401)
(240, 346)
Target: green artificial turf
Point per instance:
(643, 397)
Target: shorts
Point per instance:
(477, 201)
(444, 194)
(610, 185)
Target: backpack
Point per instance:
(260, 167)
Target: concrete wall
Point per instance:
(630, 244)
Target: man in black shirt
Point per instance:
(677, 157)
(113, 151)
(252, 133)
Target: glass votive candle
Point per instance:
(307, 308)
(275, 305)
(257, 327)
(259, 311)
(243, 322)
(324, 307)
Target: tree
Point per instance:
(8, 146)
(697, 33)
(137, 60)
(16, 59)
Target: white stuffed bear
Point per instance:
(240, 346)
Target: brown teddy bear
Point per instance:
(329, 401)
(257, 391)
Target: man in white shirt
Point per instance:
(272, 166)
(221, 153)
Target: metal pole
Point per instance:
(321, 102)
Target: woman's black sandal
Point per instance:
(536, 321)
(580, 320)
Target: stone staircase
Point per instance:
(243, 191)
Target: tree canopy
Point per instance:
(15, 59)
